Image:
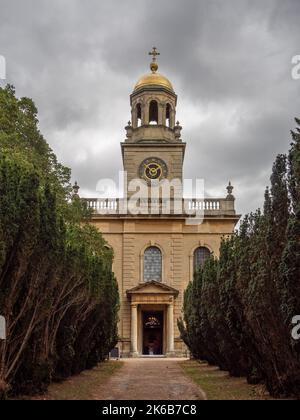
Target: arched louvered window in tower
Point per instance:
(139, 114)
(153, 113)
(168, 115)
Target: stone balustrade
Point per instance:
(184, 207)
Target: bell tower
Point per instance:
(153, 148)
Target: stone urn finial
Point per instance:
(230, 189)
(178, 129)
(128, 129)
(75, 189)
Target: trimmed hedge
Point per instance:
(57, 289)
(238, 311)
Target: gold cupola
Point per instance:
(153, 102)
(153, 79)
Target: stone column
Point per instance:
(145, 113)
(134, 330)
(161, 114)
(134, 117)
(171, 351)
(172, 119)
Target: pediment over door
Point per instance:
(152, 288)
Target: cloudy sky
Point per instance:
(229, 61)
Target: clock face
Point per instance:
(153, 169)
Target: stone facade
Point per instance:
(150, 307)
(177, 241)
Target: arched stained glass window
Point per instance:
(200, 255)
(152, 264)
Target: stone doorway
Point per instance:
(152, 298)
(153, 333)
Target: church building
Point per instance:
(157, 252)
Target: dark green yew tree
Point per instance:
(238, 311)
(57, 290)
(290, 266)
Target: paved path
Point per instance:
(150, 379)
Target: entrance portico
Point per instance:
(152, 319)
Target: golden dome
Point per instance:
(154, 79)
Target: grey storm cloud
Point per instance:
(229, 61)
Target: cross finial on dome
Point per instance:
(153, 65)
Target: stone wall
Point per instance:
(177, 242)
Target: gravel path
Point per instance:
(149, 379)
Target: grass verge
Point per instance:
(85, 386)
(218, 385)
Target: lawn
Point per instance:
(218, 385)
(85, 386)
